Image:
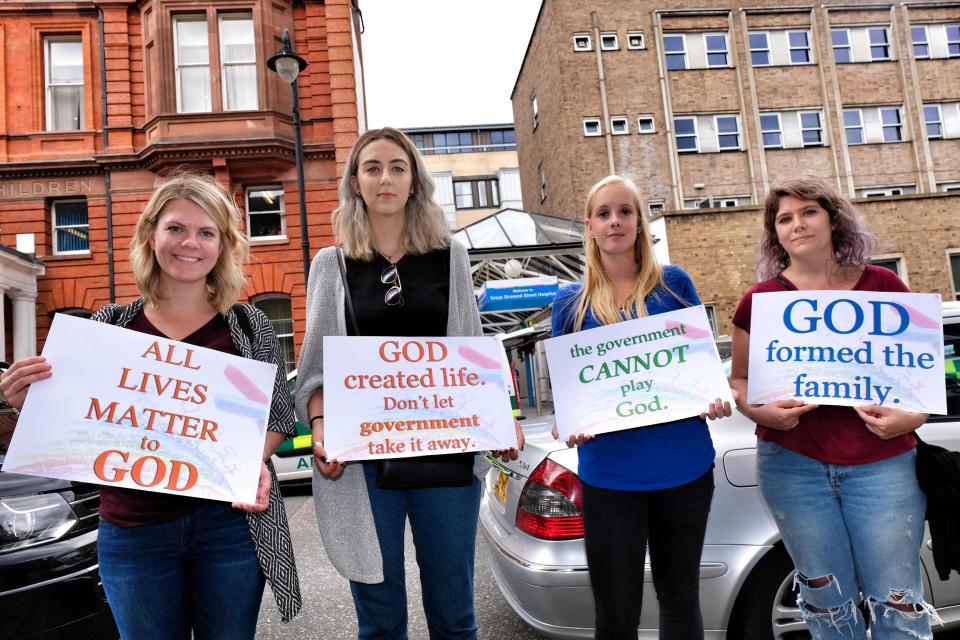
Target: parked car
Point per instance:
(293, 459)
(49, 584)
(530, 517)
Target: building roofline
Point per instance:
(543, 3)
(502, 125)
(19, 254)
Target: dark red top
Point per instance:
(131, 507)
(831, 434)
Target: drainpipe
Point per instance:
(605, 111)
(111, 276)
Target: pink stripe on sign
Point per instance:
(693, 332)
(920, 320)
(244, 385)
(477, 358)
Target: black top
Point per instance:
(425, 283)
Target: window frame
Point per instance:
(589, 44)
(952, 43)
(938, 122)
(653, 204)
(682, 53)
(726, 49)
(954, 275)
(816, 112)
(636, 34)
(624, 121)
(846, 127)
(888, 45)
(914, 43)
(848, 46)
(282, 212)
(616, 41)
(281, 337)
(807, 47)
(766, 50)
(778, 130)
(739, 134)
(726, 202)
(653, 124)
(897, 258)
(536, 110)
(48, 87)
(695, 135)
(54, 226)
(948, 187)
(190, 17)
(592, 121)
(899, 126)
(234, 15)
(543, 182)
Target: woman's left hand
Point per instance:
(512, 453)
(719, 408)
(888, 423)
(263, 493)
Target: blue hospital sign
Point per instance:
(519, 293)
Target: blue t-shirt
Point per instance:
(647, 458)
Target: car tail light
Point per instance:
(550, 503)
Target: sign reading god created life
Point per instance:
(400, 397)
(848, 348)
(128, 409)
(635, 373)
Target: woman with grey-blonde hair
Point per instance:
(404, 277)
(172, 566)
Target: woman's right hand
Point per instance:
(16, 381)
(782, 415)
(329, 469)
(572, 441)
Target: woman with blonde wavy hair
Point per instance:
(651, 485)
(404, 277)
(172, 566)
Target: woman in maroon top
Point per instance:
(839, 481)
(173, 566)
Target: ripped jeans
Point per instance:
(851, 530)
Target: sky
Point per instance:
(434, 63)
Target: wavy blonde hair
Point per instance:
(424, 227)
(226, 280)
(598, 291)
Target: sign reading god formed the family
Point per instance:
(128, 409)
(399, 397)
(848, 348)
(635, 373)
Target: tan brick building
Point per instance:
(705, 108)
(100, 100)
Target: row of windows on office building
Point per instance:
(465, 141)
(786, 46)
(790, 129)
(64, 76)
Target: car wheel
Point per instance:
(766, 607)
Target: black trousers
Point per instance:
(617, 527)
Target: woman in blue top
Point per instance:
(652, 483)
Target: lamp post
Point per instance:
(288, 66)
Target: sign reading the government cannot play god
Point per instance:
(635, 373)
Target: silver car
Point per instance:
(534, 532)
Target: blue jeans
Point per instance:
(444, 526)
(196, 573)
(852, 531)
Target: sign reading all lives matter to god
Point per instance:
(400, 397)
(128, 409)
(635, 373)
(848, 348)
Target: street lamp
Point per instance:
(288, 66)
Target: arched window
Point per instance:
(277, 308)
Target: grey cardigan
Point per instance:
(343, 508)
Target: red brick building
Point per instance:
(100, 100)
(705, 105)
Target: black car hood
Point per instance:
(15, 484)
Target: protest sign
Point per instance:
(635, 373)
(848, 348)
(400, 397)
(132, 410)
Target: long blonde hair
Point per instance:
(598, 291)
(424, 227)
(226, 280)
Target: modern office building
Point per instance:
(705, 105)
(100, 100)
